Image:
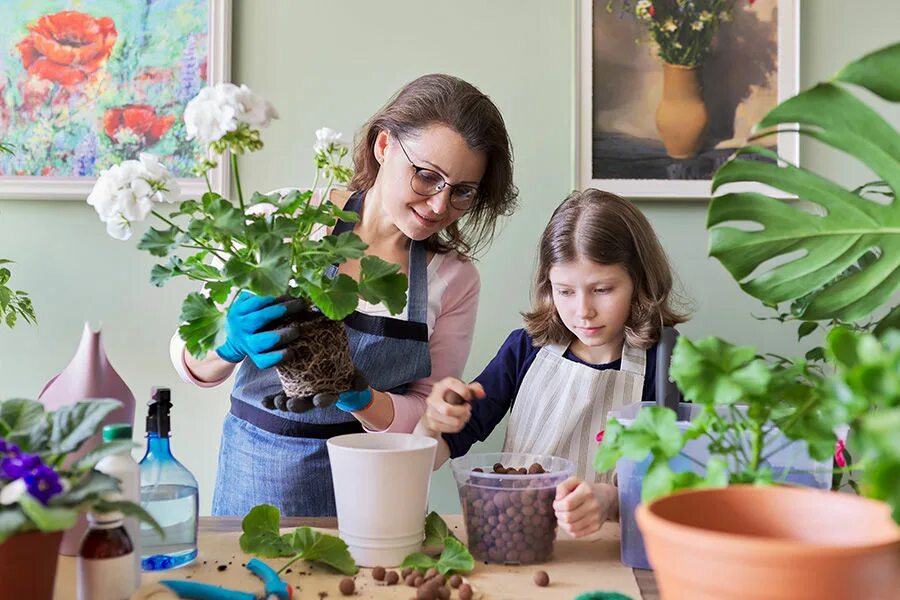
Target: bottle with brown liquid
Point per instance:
(106, 559)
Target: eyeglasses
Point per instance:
(426, 182)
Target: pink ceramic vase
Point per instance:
(88, 375)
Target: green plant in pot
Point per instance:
(14, 304)
(43, 491)
(832, 255)
(265, 244)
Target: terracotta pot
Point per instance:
(319, 360)
(28, 565)
(681, 116)
(771, 543)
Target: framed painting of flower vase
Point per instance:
(86, 84)
(669, 89)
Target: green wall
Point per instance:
(333, 64)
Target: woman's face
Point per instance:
(439, 149)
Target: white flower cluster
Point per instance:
(644, 9)
(327, 139)
(125, 193)
(219, 109)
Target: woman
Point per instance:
(433, 174)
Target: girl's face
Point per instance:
(439, 149)
(593, 301)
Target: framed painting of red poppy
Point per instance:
(669, 89)
(85, 84)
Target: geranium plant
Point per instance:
(267, 244)
(834, 260)
(40, 489)
(14, 304)
(681, 30)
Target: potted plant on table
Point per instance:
(43, 492)
(14, 304)
(801, 543)
(266, 244)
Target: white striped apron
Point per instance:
(562, 405)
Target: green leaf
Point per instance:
(323, 548)
(226, 220)
(90, 487)
(337, 299)
(658, 482)
(806, 328)
(436, 530)
(419, 561)
(716, 472)
(72, 425)
(712, 371)
(343, 247)
(455, 558)
(90, 460)
(381, 281)
(272, 275)
(19, 415)
(261, 534)
(872, 72)
(219, 291)
(815, 247)
(202, 322)
(129, 509)
(47, 518)
(159, 242)
(12, 521)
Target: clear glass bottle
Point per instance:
(168, 492)
(105, 560)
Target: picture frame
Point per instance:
(614, 134)
(137, 71)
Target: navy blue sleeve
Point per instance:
(500, 379)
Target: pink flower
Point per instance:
(600, 436)
(839, 449)
(650, 11)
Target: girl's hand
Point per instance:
(581, 509)
(443, 417)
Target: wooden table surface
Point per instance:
(645, 580)
(574, 568)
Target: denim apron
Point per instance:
(279, 458)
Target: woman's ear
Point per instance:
(381, 143)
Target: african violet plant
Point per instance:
(38, 489)
(833, 255)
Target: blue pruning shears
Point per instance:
(276, 589)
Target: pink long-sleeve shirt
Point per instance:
(453, 288)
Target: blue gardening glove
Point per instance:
(248, 326)
(357, 398)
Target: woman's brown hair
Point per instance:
(608, 230)
(450, 101)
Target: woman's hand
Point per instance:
(442, 416)
(581, 509)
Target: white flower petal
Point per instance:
(12, 491)
(119, 228)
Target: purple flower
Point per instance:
(18, 465)
(43, 483)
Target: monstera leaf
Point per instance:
(825, 254)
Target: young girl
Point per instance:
(601, 298)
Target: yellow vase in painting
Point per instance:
(681, 117)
